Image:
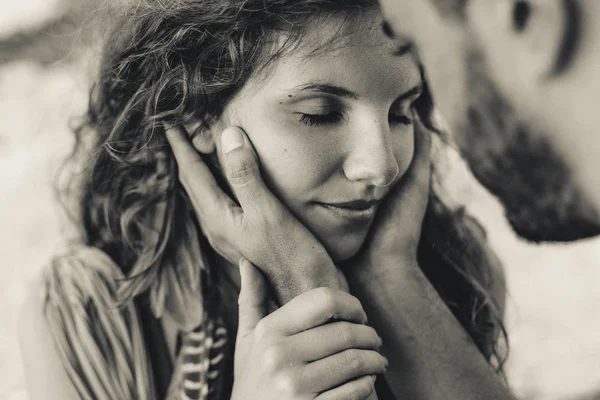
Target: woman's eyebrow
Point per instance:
(345, 93)
(327, 89)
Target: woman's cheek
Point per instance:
(291, 170)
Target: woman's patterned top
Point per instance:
(102, 347)
(198, 364)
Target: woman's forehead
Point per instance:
(355, 55)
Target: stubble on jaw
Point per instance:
(517, 163)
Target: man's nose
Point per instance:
(370, 158)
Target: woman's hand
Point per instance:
(293, 353)
(261, 228)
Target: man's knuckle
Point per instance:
(273, 357)
(241, 172)
(287, 384)
(262, 330)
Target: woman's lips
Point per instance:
(356, 210)
(354, 204)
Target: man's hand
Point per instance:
(260, 229)
(431, 355)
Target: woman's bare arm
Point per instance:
(44, 373)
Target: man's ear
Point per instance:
(203, 137)
(523, 37)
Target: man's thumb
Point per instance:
(241, 167)
(240, 163)
(253, 298)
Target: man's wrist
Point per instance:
(381, 265)
(290, 282)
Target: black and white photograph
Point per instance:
(300, 199)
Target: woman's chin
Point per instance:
(341, 250)
(341, 238)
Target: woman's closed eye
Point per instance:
(330, 113)
(336, 116)
(400, 119)
(321, 119)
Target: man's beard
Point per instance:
(519, 165)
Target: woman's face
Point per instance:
(332, 129)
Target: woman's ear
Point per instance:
(203, 137)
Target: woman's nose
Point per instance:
(371, 158)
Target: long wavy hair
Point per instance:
(181, 62)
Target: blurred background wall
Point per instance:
(46, 63)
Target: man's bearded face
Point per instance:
(516, 162)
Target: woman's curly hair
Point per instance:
(181, 61)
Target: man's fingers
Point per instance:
(242, 171)
(422, 159)
(314, 308)
(210, 202)
(253, 298)
(414, 185)
(180, 144)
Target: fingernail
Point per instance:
(385, 362)
(373, 378)
(379, 342)
(231, 139)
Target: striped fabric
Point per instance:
(102, 346)
(198, 365)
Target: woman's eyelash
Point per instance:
(335, 116)
(401, 119)
(321, 119)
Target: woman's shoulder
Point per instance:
(45, 374)
(62, 285)
(76, 282)
(81, 268)
(81, 281)
(97, 341)
(71, 278)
